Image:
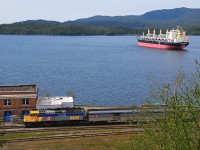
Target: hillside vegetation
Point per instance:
(189, 19)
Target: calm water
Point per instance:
(100, 70)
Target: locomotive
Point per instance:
(76, 116)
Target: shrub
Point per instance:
(178, 126)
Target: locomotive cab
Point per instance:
(32, 118)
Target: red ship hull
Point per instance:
(161, 46)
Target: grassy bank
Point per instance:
(91, 143)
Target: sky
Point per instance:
(64, 10)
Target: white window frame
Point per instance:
(25, 101)
(8, 102)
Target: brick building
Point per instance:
(17, 100)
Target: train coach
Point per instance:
(111, 115)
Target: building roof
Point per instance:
(54, 100)
(19, 88)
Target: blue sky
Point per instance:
(64, 10)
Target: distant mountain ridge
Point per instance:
(188, 18)
(169, 14)
(158, 18)
(165, 18)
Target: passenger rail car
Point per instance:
(111, 115)
(54, 117)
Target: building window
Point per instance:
(7, 102)
(25, 101)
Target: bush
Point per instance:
(178, 126)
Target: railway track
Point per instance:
(85, 135)
(11, 127)
(65, 129)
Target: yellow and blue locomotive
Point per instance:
(54, 117)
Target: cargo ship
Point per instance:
(172, 40)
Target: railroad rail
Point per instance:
(72, 136)
(11, 127)
(66, 129)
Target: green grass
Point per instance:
(90, 143)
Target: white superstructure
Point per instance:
(174, 36)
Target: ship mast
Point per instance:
(148, 34)
(160, 35)
(154, 33)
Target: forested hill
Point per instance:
(166, 18)
(189, 19)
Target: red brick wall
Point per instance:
(16, 103)
(17, 112)
(16, 106)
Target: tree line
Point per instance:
(63, 29)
